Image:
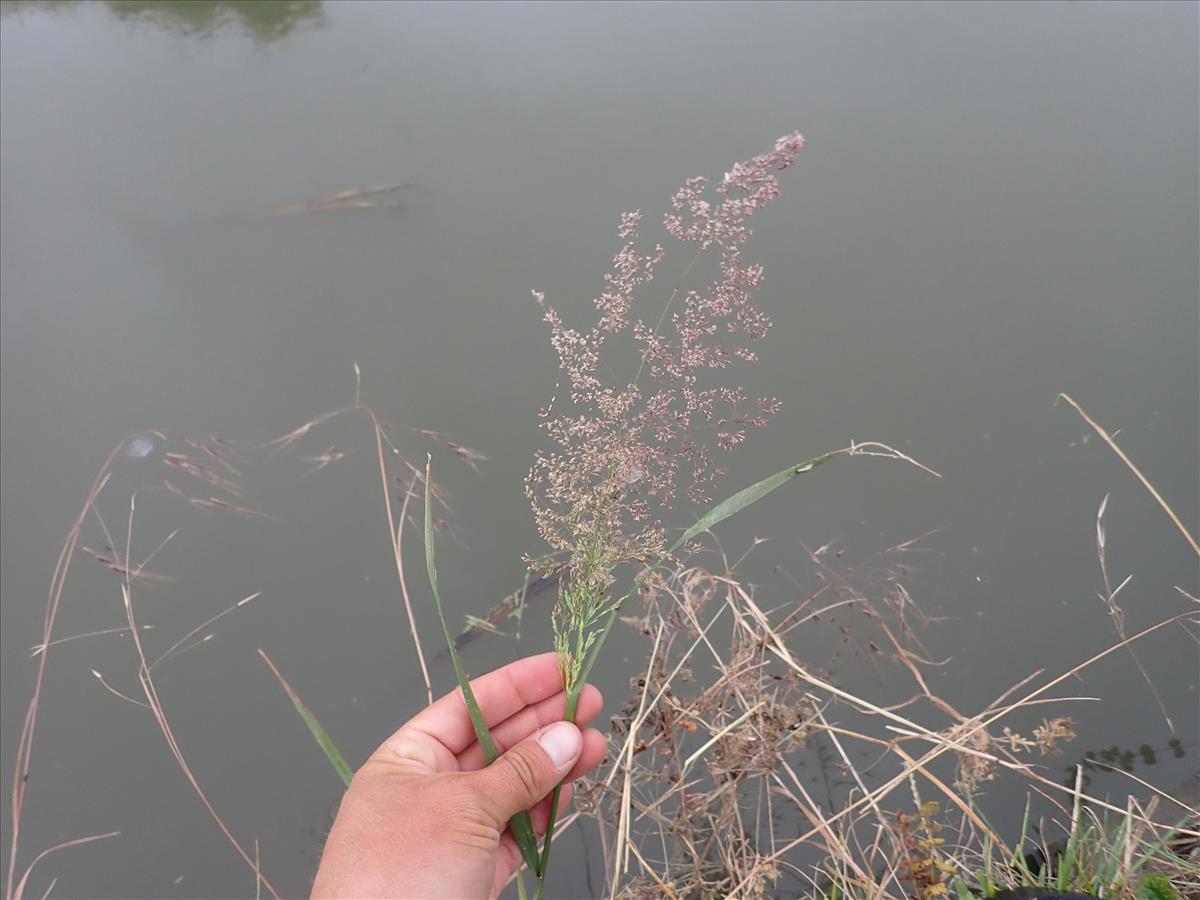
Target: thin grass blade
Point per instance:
(521, 824)
(320, 735)
(746, 496)
(714, 516)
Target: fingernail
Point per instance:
(562, 743)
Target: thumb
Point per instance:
(529, 771)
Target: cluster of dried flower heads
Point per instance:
(625, 450)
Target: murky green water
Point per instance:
(997, 203)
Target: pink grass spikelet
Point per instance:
(623, 452)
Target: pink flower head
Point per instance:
(623, 450)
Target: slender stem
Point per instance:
(397, 534)
(544, 865)
(1166, 507)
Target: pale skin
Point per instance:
(424, 817)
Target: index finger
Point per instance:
(500, 694)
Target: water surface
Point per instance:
(997, 203)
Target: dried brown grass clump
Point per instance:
(703, 795)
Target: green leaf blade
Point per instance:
(749, 495)
(320, 735)
(520, 824)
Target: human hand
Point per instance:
(424, 817)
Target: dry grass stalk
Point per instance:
(1116, 614)
(24, 755)
(146, 680)
(215, 470)
(1108, 439)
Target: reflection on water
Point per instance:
(262, 20)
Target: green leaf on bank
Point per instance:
(320, 735)
(1156, 886)
(521, 824)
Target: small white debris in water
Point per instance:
(140, 447)
(179, 880)
(979, 579)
